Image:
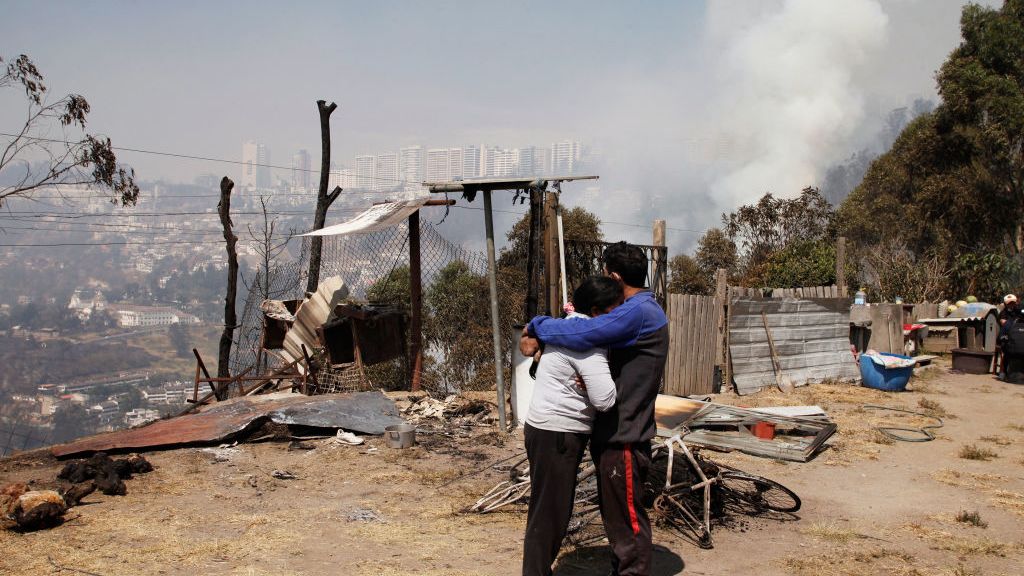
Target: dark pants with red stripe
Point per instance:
(621, 475)
(554, 461)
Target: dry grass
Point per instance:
(933, 408)
(1011, 501)
(997, 440)
(1015, 427)
(831, 532)
(974, 480)
(972, 518)
(961, 545)
(846, 562)
(973, 452)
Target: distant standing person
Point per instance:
(558, 426)
(620, 445)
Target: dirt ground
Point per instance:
(870, 505)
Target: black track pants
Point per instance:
(621, 475)
(554, 459)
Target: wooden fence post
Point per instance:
(722, 305)
(552, 264)
(841, 266)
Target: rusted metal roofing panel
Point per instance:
(364, 412)
(812, 340)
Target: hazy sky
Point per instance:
(693, 107)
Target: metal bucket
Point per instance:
(400, 435)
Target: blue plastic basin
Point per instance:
(881, 378)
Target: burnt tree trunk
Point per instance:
(323, 199)
(533, 253)
(230, 319)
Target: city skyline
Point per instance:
(410, 166)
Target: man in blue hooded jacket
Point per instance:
(637, 334)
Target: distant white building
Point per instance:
(387, 173)
(139, 416)
(106, 410)
(85, 301)
(410, 164)
(136, 316)
(366, 168)
(565, 157)
(438, 167)
(471, 162)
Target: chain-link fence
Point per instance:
(375, 268)
(585, 258)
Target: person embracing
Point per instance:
(637, 334)
(558, 425)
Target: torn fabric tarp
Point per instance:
(374, 218)
(363, 412)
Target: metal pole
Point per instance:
(492, 282)
(415, 302)
(561, 246)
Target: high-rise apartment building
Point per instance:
(497, 162)
(301, 166)
(565, 157)
(410, 164)
(456, 161)
(255, 166)
(471, 161)
(387, 176)
(438, 167)
(366, 167)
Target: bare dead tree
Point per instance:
(230, 318)
(323, 199)
(269, 243)
(89, 160)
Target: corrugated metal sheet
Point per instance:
(364, 412)
(312, 314)
(812, 339)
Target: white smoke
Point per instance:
(789, 96)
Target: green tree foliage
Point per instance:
(686, 277)
(392, 289)
(801, 263)
(952, 186)
(767, 227)
(714, 251)
(577, 224)
(459, 328)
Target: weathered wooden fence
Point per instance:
(693, 334)
(699, 336)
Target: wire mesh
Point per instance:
(585, 258)
(374, 266)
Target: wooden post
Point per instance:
(659, 280)
(230, 317)
(416, 303)
(551, 255)
(722, 301)
(323, 199)
(841, 266)
(533, 254)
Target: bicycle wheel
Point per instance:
(760, 492)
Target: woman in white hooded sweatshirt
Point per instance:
(558, 426)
